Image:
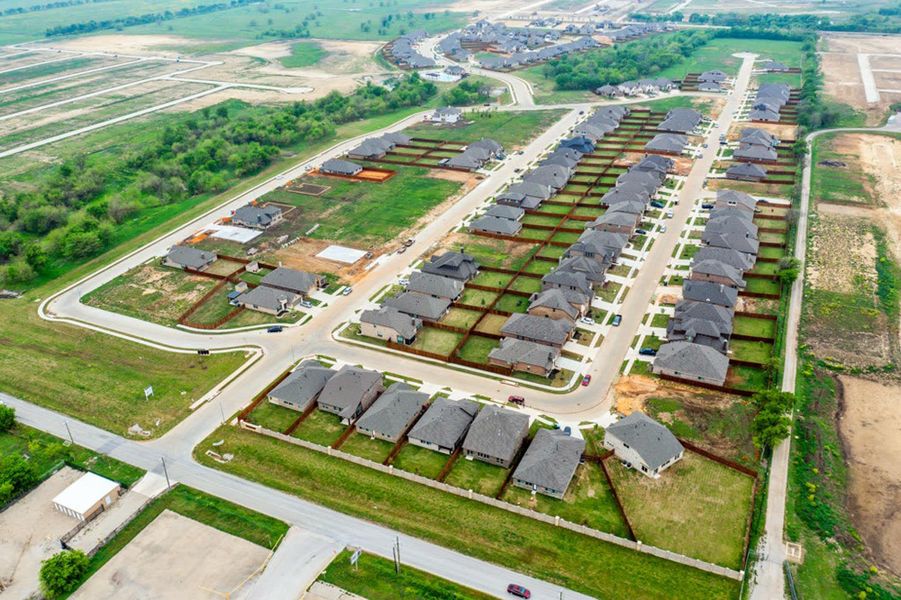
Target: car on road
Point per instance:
(346, 291)
(648, 352)
(275, 329)
(402, 249)
(518, 591)
(408, 242)
(663, 229)
(518, 400)
(617, 319)
(586, 380)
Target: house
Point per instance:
(668, 143)
(528, 357)
(294, 281)
(599, 245)
(268, 300)
(449, 115)
(771, 66)
(615, 222)
(755, 153)
(87, 497)
(435, 285)
(694, 362)
(733, 199)
(626, 193)
(609, 91)
(336, 166)
(560, 160)
(427, 308)
(554, 304)
(714, 293)
(525, 195)
(553, 176)
(643, 444)
(716, 76)
(391, 415)
(350, 391)
(550, 463)
(680, 120)
(470, 159)
(737, 225)
(646, 180)
(580, 143)
(592, 270)
(444, 425)
(732, 241)
(746, 172)
(630, 207)
(388, 323)
(372, 148)
(300, 389)
(186, 257)
(496, 435)
(709, 86)
(715, 271)
(258, 217)
(754, 135)
(742, 261)
(701, 323)
(541, 330)
(455, 71)
(502, 211)
(456, 265)
(493, 148)
(654, 163)
(495, 225)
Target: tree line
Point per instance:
(622, 62)
(74, 211)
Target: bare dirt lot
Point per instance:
(783, 131)
(842, 72)
(31, 529)
(869, 422)
(176, 557)
(842, 257)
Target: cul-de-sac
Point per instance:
(450, 299)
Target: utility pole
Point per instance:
(397, 555)
(166, 473)
(221, 411)
(69, 431)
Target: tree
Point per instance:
(789, 268)
(770, 427)
(7, 417)
(61, 572)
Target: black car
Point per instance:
(647, 352)
(617, 319)
(707, 206)
(275, 329)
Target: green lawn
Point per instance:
(421, 461)
(460, 317)
(849, 184)
(303, 54)
(486, 533)
(437, 340)
(511, 303)
(756, 327)
(697, 507)
(530, 285)
(477, 348)
(717, 54)
(374, 578)
(756, 352)
(272, 416)
(588, 501)
(510, 129)
(365, 447)
(478, 476)
(491, 324)
(320, 428)
(473, 297)
(492, 279)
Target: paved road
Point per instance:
(454, 566)
(769, 575)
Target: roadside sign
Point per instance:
(355, 556)
(148, 392)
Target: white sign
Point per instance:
(148, 392)
(355, 556)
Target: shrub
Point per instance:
(61, 572)
(7, 417)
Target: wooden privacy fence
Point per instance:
(506, 506)
(707, 386)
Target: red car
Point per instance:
(517, 400)
(586, 380)
(518, 591)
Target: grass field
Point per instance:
(421, 461)
(836, 184)
(697, 507)
(510, 129)
(365, 447)
(374, 578)
(437, 340)
(717, 55)
(303, 54)
(477, 476)
(320, 428)
(491, 534)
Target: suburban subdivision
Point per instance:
(450, 299)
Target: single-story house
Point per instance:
(336, 166)
(595, 272)
(496, 435)
(302, 386)
(456, 265)
(643, 444)
(392, 414)
(87, 497)
(444, 425)
(528, 357)
(421, 306)
(755, 153)
(186, 257)
(755, 135)
(709, 86)
(268, 300)
(715, 271)
(496, 225)
(435, 285)
(734, 199)
(615, 222)
(742, 261)
(669, 143)
(503, 211)
(554, 304)
(694, 362)
(292, 280)
(764, 114)
(553, 176)
(493, 148)
(541, 330)
(717, 76)
(742, 243)
(388, 323)
(706, 291)
(746, 172)
(680, 120)
(550, 463)
(350, 391)
(258, 217)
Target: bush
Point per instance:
(61, 572)
(7, 417)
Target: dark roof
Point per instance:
(345, 390)
(512, 351)
(452, 264)
(388, 316)
(496, 225)
(746, 170)
(303, 384)
(435, 285)
(257, 215)
(505, 212)
(419, 305)
(539, 329)
(554, 299)
(497, 432)
(268, 298)
(189, 257)
(551, 460)
(706, 291)
(445, 422)
(393, 411)
(686, 358)
(667, 142)
(290, 279)
(340, 167)
(653, 442)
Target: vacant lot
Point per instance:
(697, 507)
(512, 130)
(490, 534)
(842, 71)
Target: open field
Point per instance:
(697, 507)
(717, 55)
(99, 378)
(303, 54)
(841, 69)
(374, 578)
(489, 534)
(512, 130)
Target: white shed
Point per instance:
(89, 495)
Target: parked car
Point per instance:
(306, 304)
(403, 282)
(669, 214)
(617, 319)
(568, 430)
(518, 400)
(346, 291)
(402, 249)
(663, 229)
(707, 206)
(587, 320)
(703, 145)
(408, 242)
(275, 329)
(586, 380)
(647, 352)
(518, 591)
(657, 204)
(641, 231)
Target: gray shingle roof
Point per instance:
(303, 384)
(497, 432)
(741, 243)
(653, 442)
(189, 257)
(496, 225)
(554, 299)
(539, 329)
(732, 225)
(505, 212)
(680, 120)
(268, 298)
(551, 460)
(737, 199)
(739, 260)
(553, 176)
(419, 305)
(706, 291)
(747, 151)
(387, 316)
(393, 411)
(347, 387)
(512, 351)
(614, 218)
(746, 170)
(690, 359)
(593, 270)
(340, 167)
(456, 265)
(667, 142)
(445, 422)
(261, 216)
(435, 285)
(291, 280)
(692, 309)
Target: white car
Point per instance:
(663, 229)
(669, 214)
(587, 320)
(346, 291)
(403, 282)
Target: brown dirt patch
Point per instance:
(842, 255)
(129, 43)
(302, 255)
(783, 131)
(842, 71)
(869, 423)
